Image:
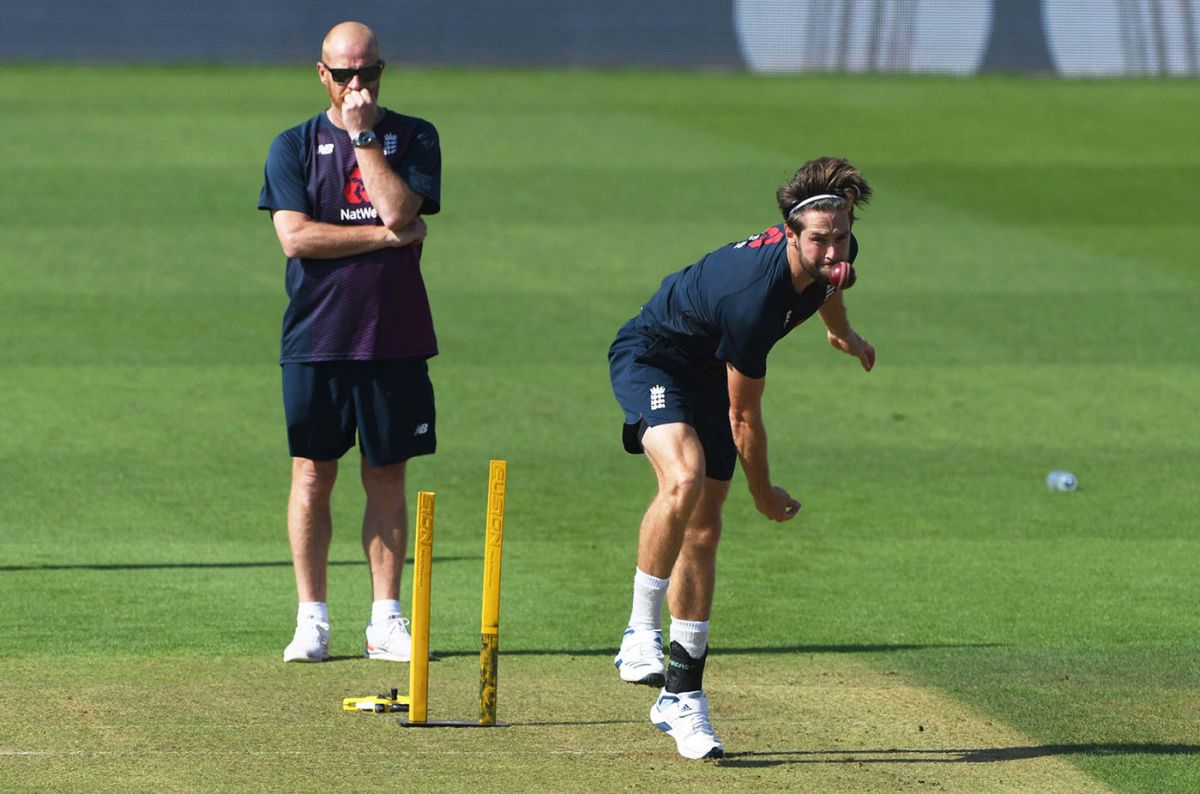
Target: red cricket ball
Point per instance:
(842, 275)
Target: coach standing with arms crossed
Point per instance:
(346, 190)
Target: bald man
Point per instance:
(346, 191)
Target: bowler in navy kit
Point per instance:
(346, 191)
(689, 372)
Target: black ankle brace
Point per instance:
(685, 674)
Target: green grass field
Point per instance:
(934, 620)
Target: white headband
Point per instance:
(813, 200)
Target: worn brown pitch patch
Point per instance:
(871, 730)
(790, 721)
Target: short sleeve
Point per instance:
(745, 341)
(421, 166)
(285, 182)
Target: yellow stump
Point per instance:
(490, 628)
(418, 671)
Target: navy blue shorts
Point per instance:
(389, 404)
(652, 396)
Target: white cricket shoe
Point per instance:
(309, 644)
(684, 716)
(389, 640)
(640, 660)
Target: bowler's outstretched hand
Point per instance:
(777, 505)
(855, 346)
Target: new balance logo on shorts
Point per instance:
(658, 397)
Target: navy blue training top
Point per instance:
(370, 306)
(731, 306)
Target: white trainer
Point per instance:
(640, 660)
(684, 716)
(310, 643)
(389, 640)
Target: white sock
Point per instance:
(315, 611)
(692, 635)
(649, 592)
(383, 609)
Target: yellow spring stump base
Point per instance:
(378, 704)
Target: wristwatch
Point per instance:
(364, 138)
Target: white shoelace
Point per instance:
(698, 722)
(396, 626)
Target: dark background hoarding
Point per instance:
(1067, 37)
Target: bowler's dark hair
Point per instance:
(832, 176)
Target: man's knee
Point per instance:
(702, 536)
(681, 484)
(703, 531)
(314, 478)
(383, 479)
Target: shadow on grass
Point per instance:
(575, 723)
(734, 651)
(979, 755)
(155, 566)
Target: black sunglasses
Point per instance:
(368, 74)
